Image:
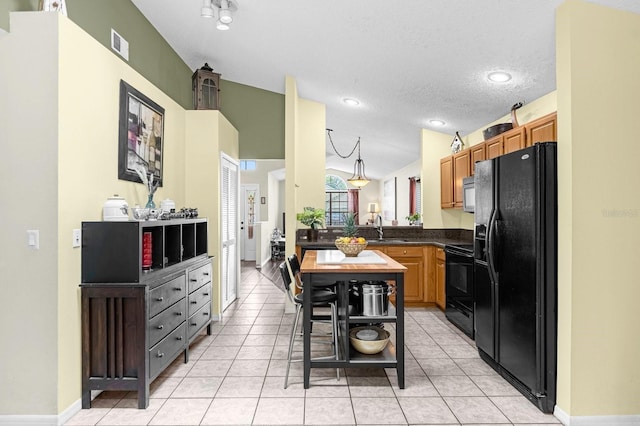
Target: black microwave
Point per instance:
(468, 194)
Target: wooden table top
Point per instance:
(310, 265)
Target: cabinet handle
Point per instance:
(160, 299)
(179, 313)
(160, 354)
(179, 338)
(205, 294)
(206, 314)
(177, 288)
(160, 327)
(193, 280)
(205, 273)
(193, 302)
(194, 324)
(404, 252)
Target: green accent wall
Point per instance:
(259, 117)
(257, 114)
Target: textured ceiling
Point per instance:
(406, 62)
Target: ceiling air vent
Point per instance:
(119, 44)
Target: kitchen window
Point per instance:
(336, 200)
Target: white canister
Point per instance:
(115, 209)
(167, 205)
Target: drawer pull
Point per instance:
(177, 288)
(160, 354)
(205, 273)
(160, 299)
(206, 314)
(160, 327)
(205, 294)
(179, 313)
(194, 324)
(193, 280)
(193, 302)
(179, 338)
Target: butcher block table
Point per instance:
(320, 268)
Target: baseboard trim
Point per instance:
(615, 420)
(44, 420)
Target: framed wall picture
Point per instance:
(141, 135)
(389, 200)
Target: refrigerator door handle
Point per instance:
(490, 248)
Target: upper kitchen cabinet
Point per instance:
(453, 169)
(446, 182)
(494, 147)
(461, 169)
(514, 140)
(478, 153)
(544, 129)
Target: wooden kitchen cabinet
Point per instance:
(514, 140)
(461, 170)
(446, 183)
(544, 129)
(478, 153)
(452, 170)
(495, 147)
(441, 299)
(411, 257)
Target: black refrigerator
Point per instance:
(515, 269)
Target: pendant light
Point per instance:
(359, 178)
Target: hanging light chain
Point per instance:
(336, 151)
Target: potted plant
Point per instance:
(314, 219)
(413, 219)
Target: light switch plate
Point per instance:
(77, 238)
(33, 238)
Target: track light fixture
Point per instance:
(224, 10)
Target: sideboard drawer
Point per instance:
(199, 319)
(166, 295)
(165, 322)
(164, 352)
(199, 298)
(199, 276)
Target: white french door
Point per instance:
(250, 215)
(229, 261)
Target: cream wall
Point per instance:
(599, 205)
(88, 158)
(208, 134)
(305, 123)
(436, 145)
(29, 188)
(402, 191)
(59, 167)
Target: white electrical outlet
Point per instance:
(77, 238)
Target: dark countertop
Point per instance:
(392, 236)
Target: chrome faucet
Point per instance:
(379, 227)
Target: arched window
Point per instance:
(336, 200)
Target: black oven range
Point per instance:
(459, 286)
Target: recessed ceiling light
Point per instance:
(499, 76)
(351, 101)
(438, 123)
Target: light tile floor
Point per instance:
(236, 377)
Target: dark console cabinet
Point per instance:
(136, 320)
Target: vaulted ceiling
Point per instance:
(406, 62)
